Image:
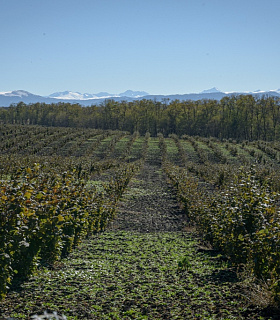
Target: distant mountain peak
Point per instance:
(20, 93)
(133, 94)
(258, 91)
(66, 95)
(212, 90)
(17, 93)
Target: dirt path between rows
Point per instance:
(148, 205)
(133, 270)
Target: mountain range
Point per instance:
(87, 99)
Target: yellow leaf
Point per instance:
(27, 195)
(30, 214)
(28, 170)
(39, 196)
(60, 218)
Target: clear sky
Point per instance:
(159, 46)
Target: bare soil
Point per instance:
(149, 205)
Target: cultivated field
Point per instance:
(111, 225)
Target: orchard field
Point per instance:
(100, 224)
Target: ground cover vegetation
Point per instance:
(107, 224)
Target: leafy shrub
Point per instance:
(242, 220)
(245, 224)
(42, 216)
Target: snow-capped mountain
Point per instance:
(16, 96)
(16, 93)
(264, 92)
(69, 95)
(88, 99)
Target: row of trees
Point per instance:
(240, 117)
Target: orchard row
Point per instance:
(59, 185)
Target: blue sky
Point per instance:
(159, 46)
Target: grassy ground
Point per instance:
(129, 275)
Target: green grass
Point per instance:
(120, 146)
(126, 275)
(230, 158)
(153, 149)
(136, 148)
(97, 183)
(189, 150)
(172, 150)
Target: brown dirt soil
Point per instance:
(148, 205)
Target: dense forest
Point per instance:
(241, 117)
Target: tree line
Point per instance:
(241, 117)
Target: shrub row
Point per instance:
(44, 214)
(242, 220)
